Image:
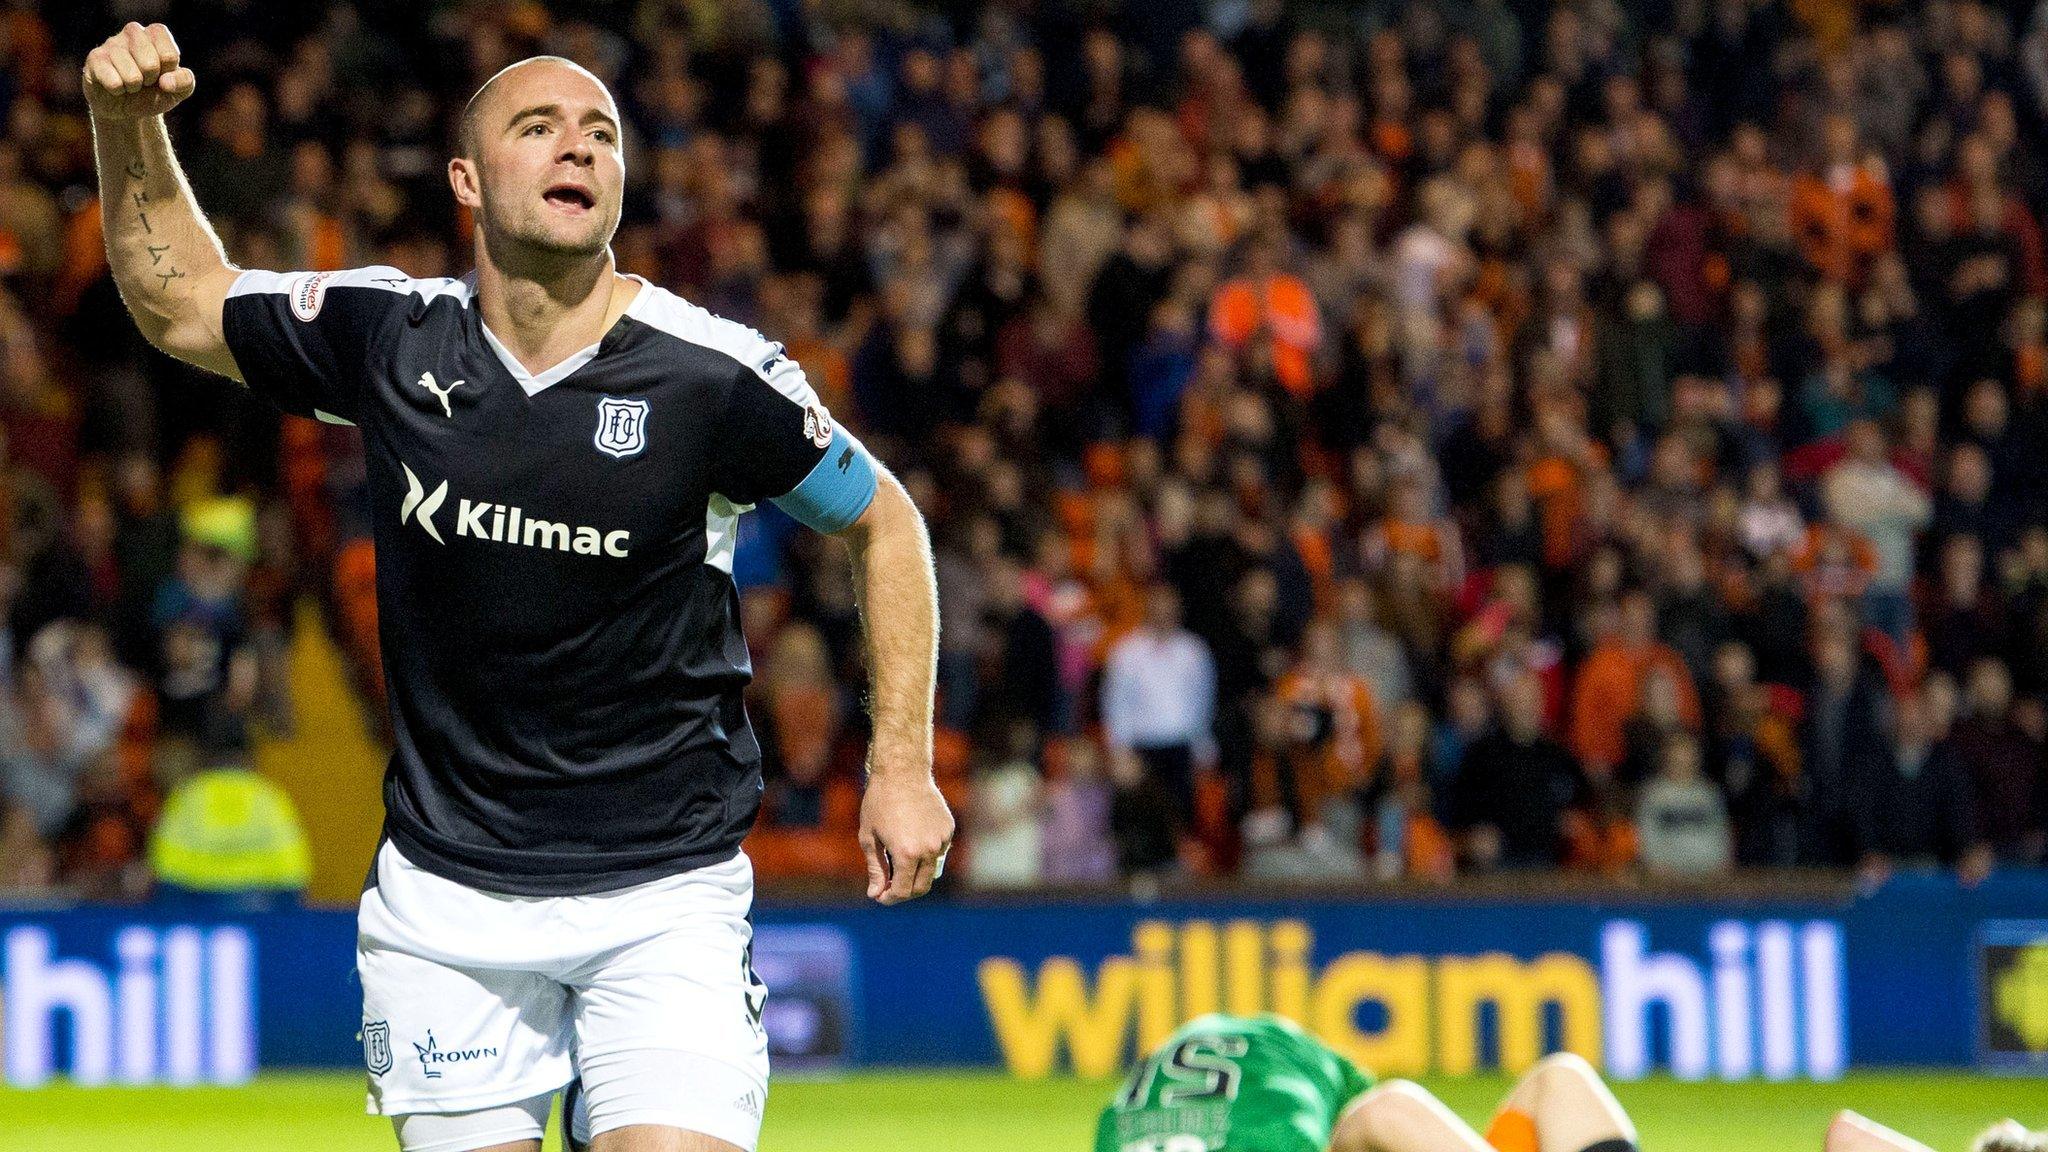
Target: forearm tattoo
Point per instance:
(164, 274)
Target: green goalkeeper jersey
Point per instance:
(1232, 1084)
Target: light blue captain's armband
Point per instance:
(838, 489)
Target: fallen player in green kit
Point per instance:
(1262, 1084)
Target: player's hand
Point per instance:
(905, 832)
(136, 74)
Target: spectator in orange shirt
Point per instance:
(1843, 213)
(1329, 698)
(1833, 561)
(1329, 750)
(1411, 526)
(1264, 297)
(1610, 683)
(1977, 177)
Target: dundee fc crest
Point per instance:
(621, 426)
(377, 1047)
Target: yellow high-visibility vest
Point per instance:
(229, 830)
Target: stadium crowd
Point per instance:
(1359, 440)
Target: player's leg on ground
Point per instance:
(1399, 1116)
(1852, 1133)
(1561, 1105)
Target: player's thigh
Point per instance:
(668, 1033)
(657, 1138)
(1573, 1109)
(1401, 1116)
(515, 1127)
(444, 1040)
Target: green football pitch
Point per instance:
(971, 1112)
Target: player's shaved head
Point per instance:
(471, 134)
(541, 161)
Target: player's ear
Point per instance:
(462, 178)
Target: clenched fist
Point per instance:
(136, 74)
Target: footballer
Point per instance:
(1262, 1084)
(558, 457)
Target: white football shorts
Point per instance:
(477, 1006)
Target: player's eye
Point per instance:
(536, 126)
(604, 135)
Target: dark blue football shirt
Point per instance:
(560, 630)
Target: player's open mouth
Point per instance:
(571, 198)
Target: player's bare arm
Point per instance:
(905, 827)
(167, 261)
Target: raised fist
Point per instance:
(136, 74)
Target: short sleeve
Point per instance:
(301, 339)
(775, 441)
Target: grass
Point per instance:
(978, 1112)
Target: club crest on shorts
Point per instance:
(621, 426)
(377, 1047)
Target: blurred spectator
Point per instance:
(206, 672)
(1966, 620)
(1754, 754)
(801, 714)
(1508, 802)
(1681, 819)
(1019, 660)
(1332, 710)
(2004, 765)
(1866, 494)
(959, 567)
(1658, 719)
(66, 707)
(1770, 519)
(1158, 695)
(1369, 650)
(1265, 302)
(1610, 685)
(1076, 845)
(1008, 835)
(1917, 807)
(1409, 836)
(1847, 714)
(26, 863)
(1144, 819)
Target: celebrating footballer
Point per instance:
(558, 458)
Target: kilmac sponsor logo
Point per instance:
(504, 524)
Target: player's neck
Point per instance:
(547, 312)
